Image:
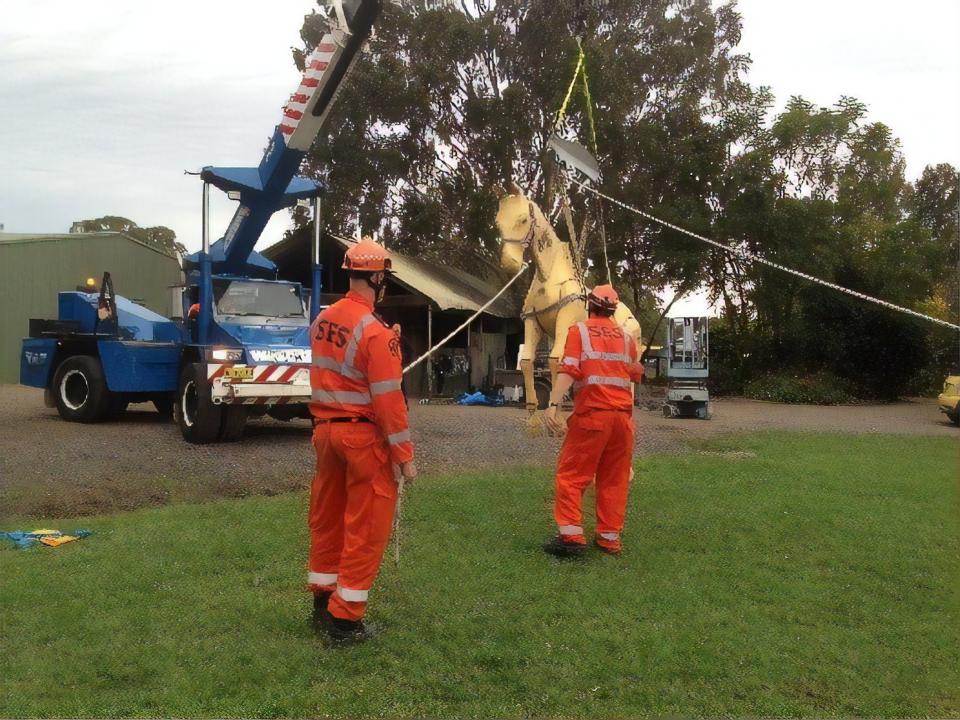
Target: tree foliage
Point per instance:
(159, 235)
(452, 103)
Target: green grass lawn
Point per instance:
(775, 574)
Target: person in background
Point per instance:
(600, 362)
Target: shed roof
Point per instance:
(22, 238)
(449, 287)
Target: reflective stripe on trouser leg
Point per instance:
(315, 578)
(371, 496)
(327, 503)
(613, 476)
(610, 536)
(570, 530)
(351, 595)
(579, 456)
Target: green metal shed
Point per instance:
(34, 268)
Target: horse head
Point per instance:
(516, 223)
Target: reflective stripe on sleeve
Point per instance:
(384, 386)
(344, 397)
(570, 530)
(601, 380)
(351, 595)
(400, 437)
(314, 578)
(571, 361)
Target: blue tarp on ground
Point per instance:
(23, 539)
(478, 398)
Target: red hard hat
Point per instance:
(367, 256)
(604, 296)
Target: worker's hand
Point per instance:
(396, 329)
(409, 471)
(554, 420)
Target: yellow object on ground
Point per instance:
(949, 399)
(44, 531)
(56, 540)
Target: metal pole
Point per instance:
(317, 269)
(206, 218)
(429, 346)
(469, 357)
(206, 282)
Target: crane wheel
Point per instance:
(80, 390)
(197, 417)
(234, 420)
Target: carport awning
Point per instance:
(449, 288)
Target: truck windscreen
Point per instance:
(245, 297)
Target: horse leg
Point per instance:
(567, 317)
(531, 339)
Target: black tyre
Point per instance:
(234, 420)
(164, 406)
(955, 418)
(80, 390)
(197, 417)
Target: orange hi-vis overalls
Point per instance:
(360, 432)
(602, 359)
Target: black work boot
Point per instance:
(319, 617)
(558, 548)
(346, 632)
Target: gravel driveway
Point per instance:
(50, 468)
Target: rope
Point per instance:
(401, 485)
(580, 73)
(562, 113)
(747, 255)
(469, 320)
(588, 98)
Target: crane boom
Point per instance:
(273, 185)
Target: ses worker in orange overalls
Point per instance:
(600, 362)
(360, 433)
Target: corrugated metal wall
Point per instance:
(33, 271)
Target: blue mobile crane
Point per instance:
(243, 345)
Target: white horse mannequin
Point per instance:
(556, 299)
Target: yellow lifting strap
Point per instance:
(579, 73)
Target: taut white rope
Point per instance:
(469, 320)
(747, 255)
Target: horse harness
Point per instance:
(562, 302)
(527, 242)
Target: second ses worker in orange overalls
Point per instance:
(600, 362)
(360, 433)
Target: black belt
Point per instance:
(353, 419)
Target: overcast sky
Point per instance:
(103, 105)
